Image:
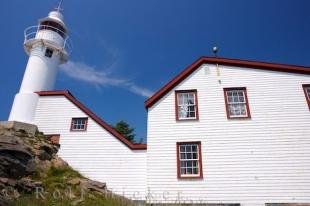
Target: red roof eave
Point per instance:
(222, 61)
(107, 127)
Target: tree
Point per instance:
(123, 128)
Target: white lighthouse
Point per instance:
(47, 46)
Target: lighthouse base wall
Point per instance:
(24, 107)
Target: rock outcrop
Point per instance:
(21, 152)
(24, 152)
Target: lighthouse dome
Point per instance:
(56, 15)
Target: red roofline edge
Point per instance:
(222, 61)
(102, 123)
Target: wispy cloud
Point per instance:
(83, 72)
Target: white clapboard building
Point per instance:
(231, 131)
(223, 131)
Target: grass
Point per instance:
(31, 200)
(57, 191)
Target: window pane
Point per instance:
(191, 114)
(241, 99)
(240, 93)
(182, 148)
(48, 52)
(189, 171)
(232, 109)
(183, 171)
(237, 109)
(180, 100)
(183, 111)
(308, 92)
(195, 170)
(242, 109)
(186, 105)
(195, 163)
(189, 164)
(236, 96)
(191, 108)
(191, 96)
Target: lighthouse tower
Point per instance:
(47, 46)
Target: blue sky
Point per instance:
(126, 50)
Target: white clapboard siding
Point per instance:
(95, 153)
(265, 159)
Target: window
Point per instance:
(186, 105)
(237, 105)
(307, 93)
(53, 26)
(189, 161)
(48, 52)
(79, 124)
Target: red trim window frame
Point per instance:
(195, 104)
(72, 129)
(236, 95)
(183, 150)
(307, 95)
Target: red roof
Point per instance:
(222, 61)
(104, 125)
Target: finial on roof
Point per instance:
(58, 8)
(215, 50)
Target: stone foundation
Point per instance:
(29, 128)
